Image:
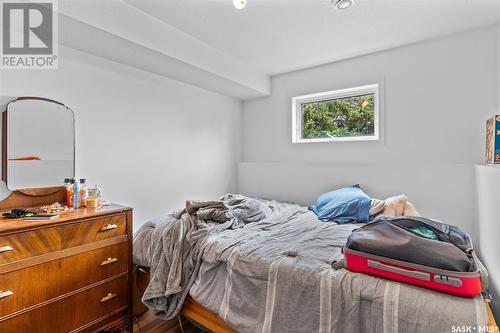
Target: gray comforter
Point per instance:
(176, 246)
(275, 275)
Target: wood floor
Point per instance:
(148, 323)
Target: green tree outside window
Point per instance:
(342, 117)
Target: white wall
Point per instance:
(148, 141)
(488, 203)
(437, 190)
(437, 96)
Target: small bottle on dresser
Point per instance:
(94, 199)
(76, 193)
(69, 192)
(67, 185)
(84, 192)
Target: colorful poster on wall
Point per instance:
(493, 140)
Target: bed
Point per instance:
(276, 275)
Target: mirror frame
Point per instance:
(5, 138)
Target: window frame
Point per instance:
(297, 114)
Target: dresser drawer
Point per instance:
(93, 230)
(36, 242)
(68, 314)
(58, 277)
(28, 244)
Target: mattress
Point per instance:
(276, 275)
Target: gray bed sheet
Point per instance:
(276, 275)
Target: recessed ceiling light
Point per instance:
(239, 4)
(343, 4)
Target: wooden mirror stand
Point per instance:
(34, 197)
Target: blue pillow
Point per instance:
(346, 205)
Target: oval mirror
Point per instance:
(38, 143)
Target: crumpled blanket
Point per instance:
(231, 207)
(393, 206)
(179, 243)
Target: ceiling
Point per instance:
(212, 45)
(277, 36)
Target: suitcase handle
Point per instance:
(413, 274)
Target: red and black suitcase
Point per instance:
(393, 248)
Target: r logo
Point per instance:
(27, 28)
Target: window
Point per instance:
(340, 115)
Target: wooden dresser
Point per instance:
(73, 274)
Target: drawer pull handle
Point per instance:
(108, 227)
(6, 293)
(109, 261)
(108, 297)
(6, 248)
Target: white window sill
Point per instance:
(344, 139)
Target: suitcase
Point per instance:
(390, 248)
